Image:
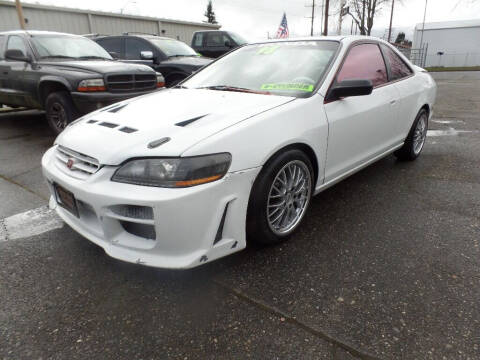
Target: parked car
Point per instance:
(174, 59)
(214, 43)
(66, 75)
(238, 150)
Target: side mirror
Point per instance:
(114, 55)
(17, 55)
(146, 55)
(228, 43)
(348, 88)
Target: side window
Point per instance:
(198, 41)
(364, 61)
(112, 45)
(216, 39)
(398, 68)
(16, 42)
(2, 44)
(133, 48)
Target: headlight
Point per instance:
(160, 80)
(174, 172)
(91, 85)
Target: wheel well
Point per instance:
(305, 149)
(47, 87)
(427, 108)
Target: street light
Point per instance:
(125, 5)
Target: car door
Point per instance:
(113, 45)
(17, 74)
(408, 89)
(215, 45)
(361, 127)
(4, 68)
(133, 49)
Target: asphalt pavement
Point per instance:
(386, 265)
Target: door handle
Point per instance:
(393, 102)
(5, 73)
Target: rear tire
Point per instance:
(60, 111)
(280, 198)
(416, 138)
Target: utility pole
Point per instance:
(21, 19)
(391, 19)
(313, 16)
(423, 25)
(342, 4)
(321, 21)
(325, 26)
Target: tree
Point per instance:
(364, 11)
(210, 14)
(400, 38)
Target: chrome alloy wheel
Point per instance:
(288, 197)
(420, 134)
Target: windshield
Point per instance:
(172, 47)
(237, 38)
(64, 46)
(291, 68)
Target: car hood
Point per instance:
(99, 66)
(186, 116)
(192, 61)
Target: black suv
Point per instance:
(66, 75)
(214, 43)
(173, 58)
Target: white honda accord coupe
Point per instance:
(186, 175)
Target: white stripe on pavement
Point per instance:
(29, 223)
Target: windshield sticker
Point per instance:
(288, 87)
(267, 50)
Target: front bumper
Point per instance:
(192, 225)
(88, 102)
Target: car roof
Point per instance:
(346, 39)
(143, 36)
(36, 32)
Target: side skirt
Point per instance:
(332, 182)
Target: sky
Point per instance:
(255, 19)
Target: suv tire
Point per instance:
(60, 111)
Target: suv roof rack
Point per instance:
(138, 32)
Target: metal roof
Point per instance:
(102, 13)
(449, 24)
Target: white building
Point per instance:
(450, 43)
(76, 21)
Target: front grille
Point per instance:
(119, 83)
(74, 163)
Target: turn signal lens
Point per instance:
(91, 85)
(160, 80)
(174, 172)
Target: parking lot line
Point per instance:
(29, 223)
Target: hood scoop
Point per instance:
(156, 143)
(188, 122)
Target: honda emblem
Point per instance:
(70, 163)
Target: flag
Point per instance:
(282, 32)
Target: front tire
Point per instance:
(416, 138)
(60, 111)
(280, 198)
